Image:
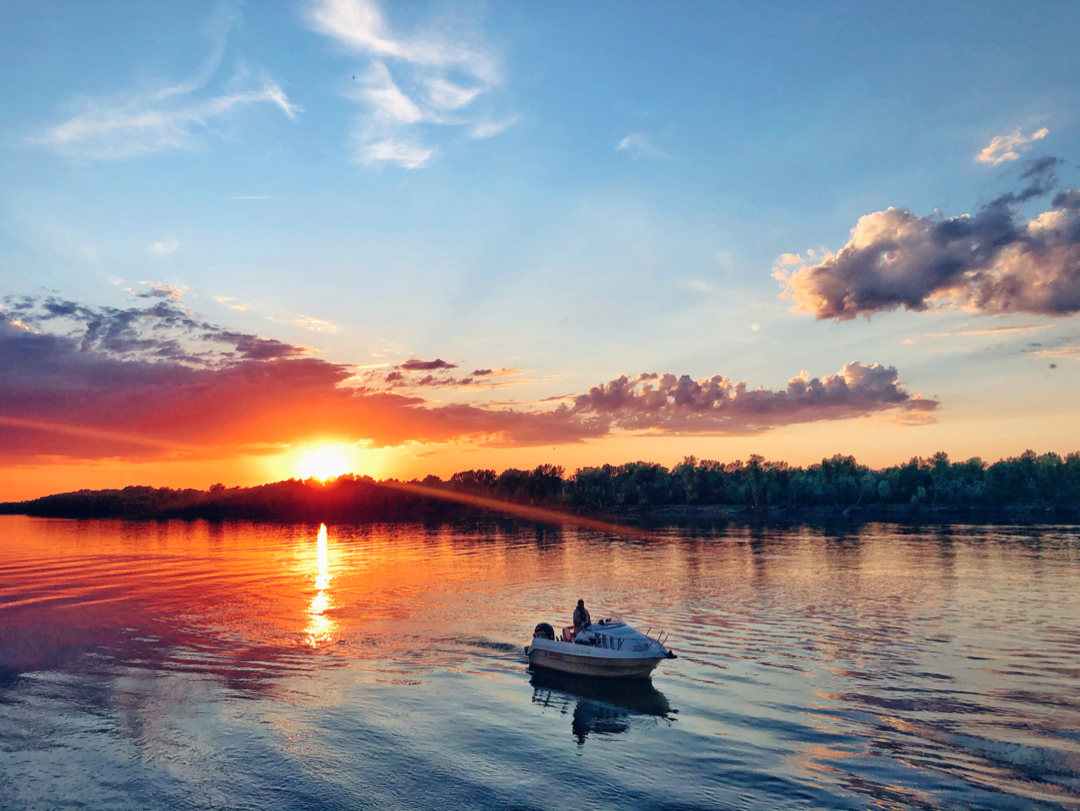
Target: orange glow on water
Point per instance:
(320, 628)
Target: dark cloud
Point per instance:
(405, 376)
(159, 290)
(414, 365)
(164, 331)
(1040, 167)
(990, 262)
(1069, 199)
(144, 384)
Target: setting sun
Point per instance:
(323, 463)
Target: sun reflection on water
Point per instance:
(320, 628)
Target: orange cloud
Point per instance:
(154, 383)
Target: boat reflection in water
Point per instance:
(601, 707)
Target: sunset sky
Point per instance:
(427, 237)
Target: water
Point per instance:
(193, 665)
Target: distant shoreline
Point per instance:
(362, 501)
(1024, 489)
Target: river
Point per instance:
(176, 665)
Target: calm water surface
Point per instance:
(193, 665)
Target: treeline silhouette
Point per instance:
(1046, 486)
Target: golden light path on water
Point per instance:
(320, 628)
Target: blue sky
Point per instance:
(575, 191)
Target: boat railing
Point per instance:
(659, 639)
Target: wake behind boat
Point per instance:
(609, 648)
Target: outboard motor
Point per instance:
(544, 631)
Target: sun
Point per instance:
(323, 464)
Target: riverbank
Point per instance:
(360, 501)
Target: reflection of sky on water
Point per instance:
(140, 663)
(320, 628)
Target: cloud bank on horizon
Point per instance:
(90, 383)
(990, 262)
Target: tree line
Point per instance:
(840, 485)
(840, 482)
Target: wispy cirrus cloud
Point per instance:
(640, 145)
(1003, 332)
(411, 85)
(1004, 148)
(98, 382)
(1069, 351)
(172, 116)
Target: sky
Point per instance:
(246, 242)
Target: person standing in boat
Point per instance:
(582, 620)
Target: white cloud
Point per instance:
(1008, 147)
(449, 96)
(314, 324)
(489, 129)
(640, 145)
(408, 156)
(165, 247)
(170, 117)
(409, 82)
(387, 101)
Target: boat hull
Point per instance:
(589, 665)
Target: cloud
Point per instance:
(1004, 332)
(489, 129)
(165, 247)
(405, 155)
(1004, 147)
(1067, 351)
(416, 365)
(407, 375)
(165, 118)
(999, 330)
(718, 405)
(158, 290)
(990, 262)
(423, 79)
(314, 324)
(641, 146)
(92, 383)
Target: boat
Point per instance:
(609, 649)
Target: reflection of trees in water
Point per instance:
(600, 706)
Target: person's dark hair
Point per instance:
(581, 602)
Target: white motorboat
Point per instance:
(609, 648)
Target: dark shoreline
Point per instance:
(368, 502)
(1027, 489)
